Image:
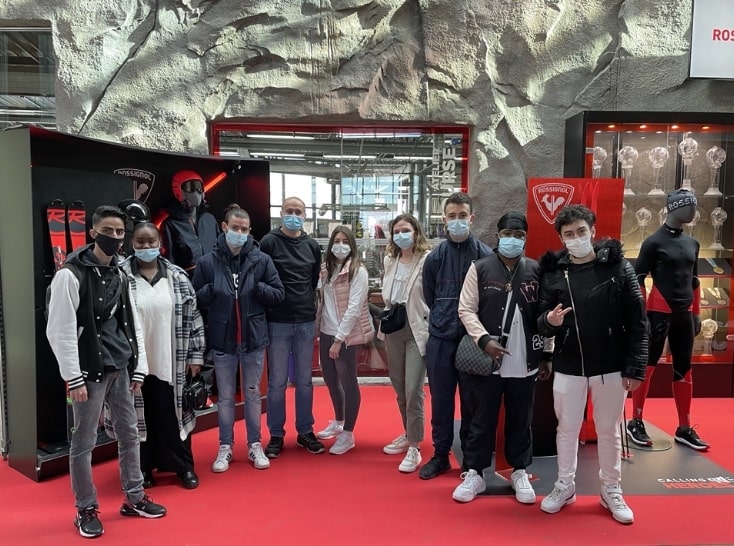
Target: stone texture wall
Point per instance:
(152, 74)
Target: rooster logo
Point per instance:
(142, 182)
(551, 197)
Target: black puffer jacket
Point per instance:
(608, 313)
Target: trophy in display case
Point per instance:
(643, 217)
(708, 329)
(658, 156)
(715, 156)
(662, 215)
(718, 217)
(687, 149)
(627, 157)
(598, 157)
(690, 226)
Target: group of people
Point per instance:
(134, 325)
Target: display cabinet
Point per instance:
(656, 153)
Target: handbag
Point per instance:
(470, 358)
(194, 393)
(393, 319)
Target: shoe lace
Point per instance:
(522, 481)
(467, 477)
(692, 432)
(616, 500)
(640, 425)
(400, 439)
(88, 514)
(557, 494)
(222, 453)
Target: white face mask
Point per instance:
(341, 251)
(579, 247)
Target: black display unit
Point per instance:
(41, 166)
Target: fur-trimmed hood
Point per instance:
(607, 251)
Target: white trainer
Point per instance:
(562, 494)
(397, 446)
(332, 430)
(344, 442)
(224, 455)
(472, 485)
(257, 456)
(411, 460)
(524, 492)
(612, 499)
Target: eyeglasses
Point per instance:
(190, 186)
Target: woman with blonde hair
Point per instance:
(403, 285)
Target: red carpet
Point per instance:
(361, 498)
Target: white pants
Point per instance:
(569, 400)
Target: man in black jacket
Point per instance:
(591, 302)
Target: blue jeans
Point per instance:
(286, 338)
(115, 389)
(251, 371)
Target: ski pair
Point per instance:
(59, 217)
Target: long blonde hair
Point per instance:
(420, 243)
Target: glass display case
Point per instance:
(656, 153)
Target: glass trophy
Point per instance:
(627, 157)
(598, 157)
(715, 156)
(687, 149)
(643, 217)
(708, 329)
(658, 156)
(718, 217)
(690, 226)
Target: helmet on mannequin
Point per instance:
(136, 210)
(182, 178)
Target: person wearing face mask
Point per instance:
(292, 326)
(95, 334)
(189, 231)
(591, 302)
(166, 302)
(673, 310)
(406, 348)
(504, 325)
(236, 283)
(344, 324)
(443, 276)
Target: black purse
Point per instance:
(194, 393)
(393, 319)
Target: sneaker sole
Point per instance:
(341, 452)
(605, 505)
(394, 451)
(570, 500)
(637, 441)
(689, 444)
(220, 470)
(87, 535)
(260, 466)
(433, 475)
(126, 510)
(318, 452)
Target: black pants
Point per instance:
(677, 327)
(484, 396)
(163, 449)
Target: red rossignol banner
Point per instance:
(547, 196)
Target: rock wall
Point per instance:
(152, 74)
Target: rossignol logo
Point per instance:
(551, 198)
(687, 201)
(142, 182)
(717, 482)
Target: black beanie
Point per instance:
(680, 198)
(512, 220)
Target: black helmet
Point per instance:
(136, 210)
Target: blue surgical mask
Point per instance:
(235, 238)
(511, 247)
(292, 222)
(147, 254)
(458, 228)
(403, 240)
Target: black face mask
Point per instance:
(108, 245)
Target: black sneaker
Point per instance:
(310, 442)
(637, 433)
(689, 437)
(435, 467)
(87, 521)
(275, 446)
(145, 507)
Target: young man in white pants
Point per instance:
(591, 302)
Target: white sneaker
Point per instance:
(562, 494)
(411, 460)
(472, 485)
(332, 430)
(397, 446)
(221, 463)
(344, 442)
(257, 456)
(612, 500)
(524, 492)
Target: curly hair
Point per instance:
(571, 213)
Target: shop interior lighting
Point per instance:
(280, 136)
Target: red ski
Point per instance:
(76, 219)
(56, 216)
